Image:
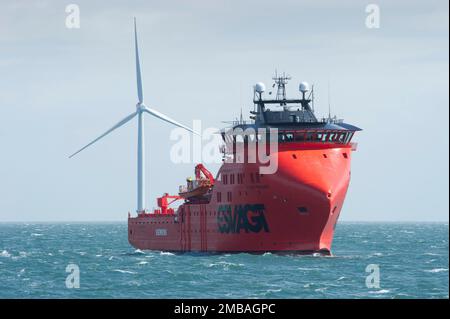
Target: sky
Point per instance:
(61, 87)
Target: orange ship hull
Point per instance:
(292, 210)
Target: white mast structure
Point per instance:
(140, 109)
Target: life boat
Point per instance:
(199, 187)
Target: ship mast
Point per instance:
(281, 82)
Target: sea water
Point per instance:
(95, 260)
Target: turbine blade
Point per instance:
(168, 119)
(138, 67)
(122, 122)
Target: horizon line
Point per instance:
(124, 221)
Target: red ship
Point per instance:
(293, 208)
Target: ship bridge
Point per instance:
(293, 118)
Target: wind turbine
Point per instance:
(141, 108)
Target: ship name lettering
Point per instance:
(248, 218)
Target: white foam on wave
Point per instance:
(166, 253)
(305, 268)
(382, 291)
(142, 262)
(5, 254)
(436, 270)
(273, 290)
(125, 271)
(225, 265)
(36, 234)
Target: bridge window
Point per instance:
(326, 136)
(289, 137)
(300, 136)
(349, 137)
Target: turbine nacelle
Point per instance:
(140, 107)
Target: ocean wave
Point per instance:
(125, 271)
(271, 291)
(436, 270)
(5, 254)
(274, 290)
(142, 262)
(321, 289)
(225, 265)
(166, 253)
(306, 268)
(382, 291)
(36, 234)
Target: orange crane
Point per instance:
(199, 169)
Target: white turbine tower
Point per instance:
(140, 109)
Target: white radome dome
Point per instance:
(260, 87)
(303, 87)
